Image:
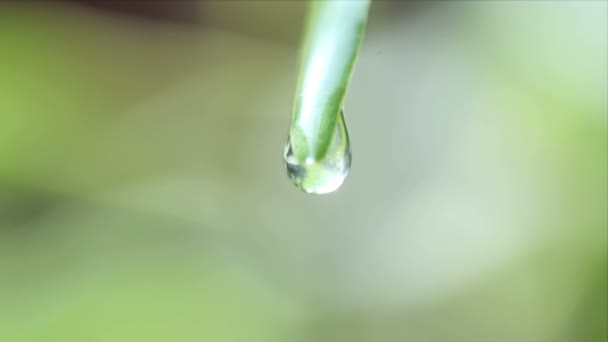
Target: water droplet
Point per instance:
(325, 175)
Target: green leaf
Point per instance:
(332, 38)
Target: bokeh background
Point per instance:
(143, 195)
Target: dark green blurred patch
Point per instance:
(20, 206)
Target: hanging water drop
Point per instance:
(321, 175)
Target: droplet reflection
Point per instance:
(325, 175)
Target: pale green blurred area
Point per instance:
(143, 196)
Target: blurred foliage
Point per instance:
(142, 196)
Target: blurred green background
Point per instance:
(143, 195)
